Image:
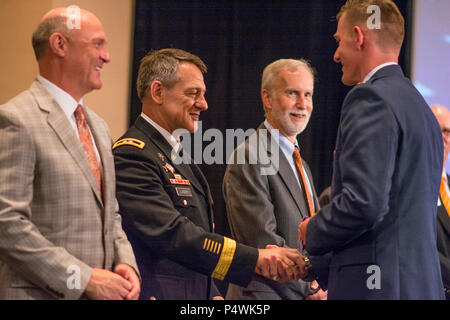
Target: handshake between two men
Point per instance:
(282, 264)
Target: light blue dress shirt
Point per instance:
(288, 150)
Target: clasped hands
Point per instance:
(282, 264)
(120, 284)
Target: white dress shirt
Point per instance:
(374, 70)
(172, 140)
(68, 105)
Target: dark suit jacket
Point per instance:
(443, 245)
(265, 209)
(170, 223)
(386, 177)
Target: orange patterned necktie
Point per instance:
(445, 199)
(88, 146)
(299, 166)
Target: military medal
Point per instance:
(161, 157)
(180, 181)
(168, 168)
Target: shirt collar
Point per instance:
(172, 140)
(284, 142)
(374, 70)
(67, 103)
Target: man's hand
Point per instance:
(302, 227)
(129, 274)
(281, 264)
(107, 285)
(319, 295)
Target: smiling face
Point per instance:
(346, 53)
(185, 100)
(289, 103)
(86, 55)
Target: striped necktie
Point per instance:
(88, 146)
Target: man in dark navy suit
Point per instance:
(381, 222)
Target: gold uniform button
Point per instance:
(185, 202)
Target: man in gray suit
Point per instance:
(60, 233)
(264, 208)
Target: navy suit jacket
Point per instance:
(381, 222)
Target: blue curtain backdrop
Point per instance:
(236, 40)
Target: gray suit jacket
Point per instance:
(54, 225)
(265, 209)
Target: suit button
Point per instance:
(185, 202)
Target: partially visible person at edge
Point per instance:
(442, 114)
(58, 211)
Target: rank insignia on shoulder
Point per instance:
(180, 181)
(129, 142)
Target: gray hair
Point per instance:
(162, 65)
(43, 32)
(271, 71)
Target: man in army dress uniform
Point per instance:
(167, 207)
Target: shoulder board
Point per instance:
(129, 142)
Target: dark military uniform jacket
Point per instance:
(167, 215)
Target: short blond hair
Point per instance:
(392, 30)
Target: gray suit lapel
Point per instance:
(290, 180)
(287, 176)
(103, 149)
(63, 129)
(443, 218)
